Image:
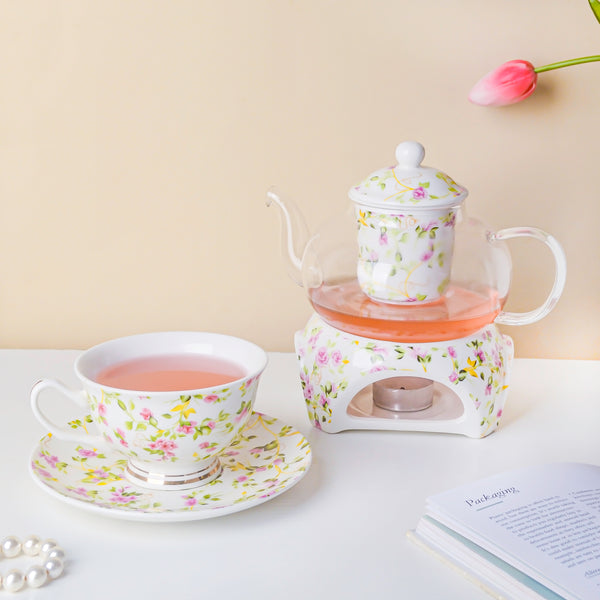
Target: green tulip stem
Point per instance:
(567, 63)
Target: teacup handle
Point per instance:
(560, 274)
(63, 433)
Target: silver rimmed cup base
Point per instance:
(172, 481)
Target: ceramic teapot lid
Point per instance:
(408, 184)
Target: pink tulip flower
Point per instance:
(514, 81)
(511, 82)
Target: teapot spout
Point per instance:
(294, 234)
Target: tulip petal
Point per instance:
(511, 82)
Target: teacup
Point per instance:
(171, 436)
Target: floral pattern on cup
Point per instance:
(150, 435)
(405, 257)
(267, 458)
(332, 362)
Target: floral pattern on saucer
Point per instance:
(266, 459)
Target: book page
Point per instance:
(543, 520)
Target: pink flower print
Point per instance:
(99, 475)
(380, 350)
(488, 389)
(499, 413)
(383, 239)
(417, 353)
(102, 409)
(190, 501)
(511, 82)
(427, 255)
(322, 356)
(188, 428)
(81, 491)
(453, 376)
(451, 221)
(121, 435)
(268, 494)
(308, 391)
(496, 358)
(164, 446)
(51, 460)
(41, 471)
(239, 417)
(120, 498)
(373, 256)
(377, 368)
(451, 351)
(480, 355)
(204, 445)
(323, 401)
(146, 414)
(419, 193)
(336, 358)
(317, 424)
(87, 453)
(211, 398)
(242, 478)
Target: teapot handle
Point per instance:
(560, 274)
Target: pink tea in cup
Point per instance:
(169, 373)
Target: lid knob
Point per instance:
(410, 154)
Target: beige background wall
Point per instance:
(138, 138)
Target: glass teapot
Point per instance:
(405, 263)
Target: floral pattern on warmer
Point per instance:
(405, 257)
(481, 360)
(266, 458)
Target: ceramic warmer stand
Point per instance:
(353, 382)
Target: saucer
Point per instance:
(268, 459)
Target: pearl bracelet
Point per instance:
(52, 562)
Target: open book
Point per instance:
(529, 533)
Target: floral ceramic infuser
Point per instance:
(407, 291)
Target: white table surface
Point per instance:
(340, 532)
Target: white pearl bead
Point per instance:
(36, 576)
(54, 567)
(56, 552)
(46, 546)
(13, 581)
(31, 545)
(11, 546)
